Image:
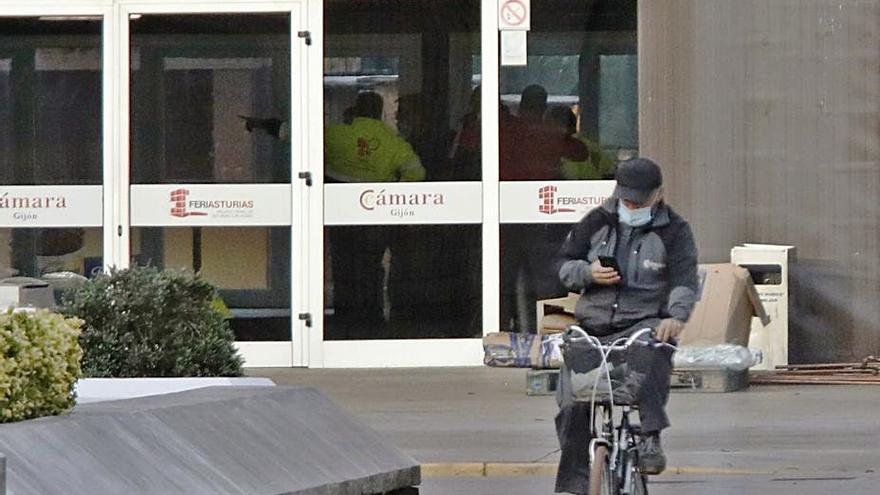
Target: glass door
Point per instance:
(568, 111)
(403, 209)
(215, 153)
(53, 142)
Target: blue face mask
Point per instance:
(634, 218)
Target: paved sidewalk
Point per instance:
(785, 437)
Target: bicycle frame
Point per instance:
(621, 443)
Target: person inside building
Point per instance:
(599, 165)
(530, 148)
(417, 123)
(366, 150)
(655, 287)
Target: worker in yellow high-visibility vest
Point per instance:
(369, 150)
(599, 165)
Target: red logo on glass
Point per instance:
(547, 201)
(178, 199)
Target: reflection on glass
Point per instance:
(618, 98)
(213, 104)
(403, 282)
(250, 266)
(6, 123)
(577, 97)
(50, 102)
(419, 62)
(401, 103)
(38, 252)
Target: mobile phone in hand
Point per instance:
(609, 262)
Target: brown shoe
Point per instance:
(651, 457)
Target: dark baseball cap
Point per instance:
(637, 179)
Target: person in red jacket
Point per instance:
(532, 149)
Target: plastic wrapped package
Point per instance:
(522, 350)
(723, 356)
(509, 350)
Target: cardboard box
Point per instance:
(723, 315)
(554, 315)
(555, 323)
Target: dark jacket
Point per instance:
(660, 278)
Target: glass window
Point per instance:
(50, 102)
(37, 252)
(528, 271)
(402, 104)
(210, 98)
(50, 135)
(403, 282)
(7, 125)
(250, 266)
(618, 102)
(572, 110)
(401, 91)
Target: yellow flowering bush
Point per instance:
(39, 364)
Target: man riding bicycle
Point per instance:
(649, 280)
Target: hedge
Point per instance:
(146, 322)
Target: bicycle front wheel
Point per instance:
(601, 477)
(640, 483)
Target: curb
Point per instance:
(488, 469)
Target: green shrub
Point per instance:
(40, 364)
(146, 322)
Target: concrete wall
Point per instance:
(766, 117)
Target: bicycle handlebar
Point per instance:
(620, 344)
(575, 334)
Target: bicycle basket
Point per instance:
(586, 374)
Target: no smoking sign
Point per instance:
(514, 15)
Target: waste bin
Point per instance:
(769, 266)
(19, 292)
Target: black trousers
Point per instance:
(572, 422)
(356, 253)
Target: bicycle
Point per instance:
(614, 454)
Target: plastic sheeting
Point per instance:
(727, 356)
